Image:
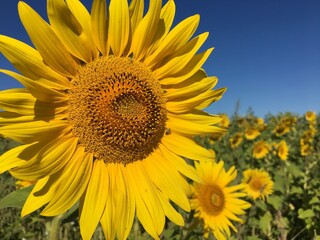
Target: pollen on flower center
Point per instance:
(117, 110)
(212, 199)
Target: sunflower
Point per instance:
(215, 201)
(311, 117)
(282, 150)
(281, 129)
(108, 112)
(260, 149)
(306, 149)
(225, 122)
(236, 140)
(251, 133)
(258, 183)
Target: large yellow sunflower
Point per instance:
(215, 201)
(108, 112)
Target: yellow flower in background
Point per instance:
(108, 112)
(251, 133)
(22, 184)
(305, 149)
(283, 150)
(281, 129)
(259, 121)
(236, 140)
(311, 116)
(225, 122)
(308, 136)
(288, 120)
(258, 183)
(260, 149)
(216, 201)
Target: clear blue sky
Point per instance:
(267, 52)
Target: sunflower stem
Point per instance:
(55, 227)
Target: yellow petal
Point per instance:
(28, 61)
(216, 95)
(167, 179)
(179, 163)
(164, 25)
(124, 200)
(20, 101)
(39, 90)
(191, 90)
(42, 193)
(99, 25)
(78, 174)
(169, 211)
(10, 158)
(175, 39)
(50, 160)
(46, 41)
(191, 128)
(186, 147)
(32, 131)
(186, 105)
(119, 26)
(108, 218)
(68, 29)
(143, 36)
(178, 60)
(148, 206)
(83, 16)
(189, 70)
(93, 203)
(37, 199)
(198, 116)
(136, 9)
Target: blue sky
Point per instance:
(267, 52)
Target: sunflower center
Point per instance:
(256, 185)
(117, 109)
(212, 199)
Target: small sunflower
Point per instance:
(215, 201)
(251, 133)
(311, 116)
(260, 149)
(258, 183)
(283, 150)
(281, 129)
(306, 149)
(236, 140)
(225, 122)
(109, 110)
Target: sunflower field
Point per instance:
(275, 160)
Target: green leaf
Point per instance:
(303, 214)
(295, 189)
(252, 238)
(262, 205)
(16, 198)
(275, 201)
(265, 222)
(314, 200)
(294, 170)
(279, 183)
